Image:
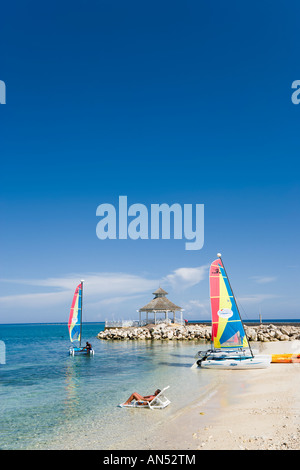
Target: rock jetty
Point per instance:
(164, 331)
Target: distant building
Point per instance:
(160, 305)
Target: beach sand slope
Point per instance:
(257, 409)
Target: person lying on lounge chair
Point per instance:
(140, 399)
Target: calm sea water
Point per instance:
(49, 399)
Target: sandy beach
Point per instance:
(244, 409)
(258, 409)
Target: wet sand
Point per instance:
(245, 409)
(258, 409)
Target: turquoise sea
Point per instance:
(49, 399)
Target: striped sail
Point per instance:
(75, 314)
(227, 327)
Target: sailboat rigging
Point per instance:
(230, 346)
(75, 323)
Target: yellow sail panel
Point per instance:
(227, 327)
(75, 315)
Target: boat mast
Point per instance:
(220, 256)
(81, 312)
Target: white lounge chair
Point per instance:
(158, 403)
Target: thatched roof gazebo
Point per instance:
(160, 304)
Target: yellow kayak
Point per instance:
(285, 358)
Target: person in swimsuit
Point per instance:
(88, 346)
(142, 400)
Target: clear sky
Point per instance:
(164, 102)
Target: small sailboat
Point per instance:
(75, 323)
(230, 346)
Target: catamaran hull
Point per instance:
(256, 362)
(81, 351)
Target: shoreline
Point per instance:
(260, 411)
(231, 410)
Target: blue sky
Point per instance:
(168, 102)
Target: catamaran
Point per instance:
(230, 347)
(75, 323)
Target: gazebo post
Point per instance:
(154, 317)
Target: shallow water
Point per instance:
(48, 398)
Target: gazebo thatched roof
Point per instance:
(160, 303)
(159, 292)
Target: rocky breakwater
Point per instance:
(164, 331)
(271, 332)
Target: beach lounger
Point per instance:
(158, 403)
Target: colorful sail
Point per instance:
(227, 327)
(75, 315)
